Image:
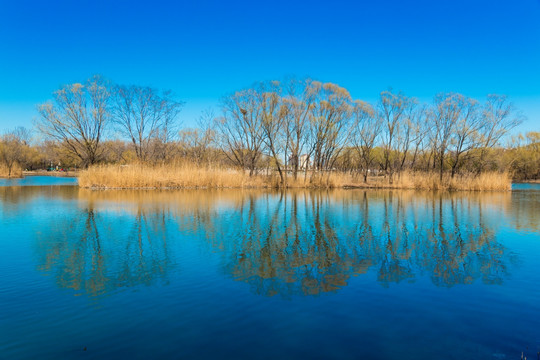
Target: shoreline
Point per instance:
(50, 173)
(282, 189)
(170, 178)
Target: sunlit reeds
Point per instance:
(16, 171)
(191, 176)
(181, 176)
(474, 182)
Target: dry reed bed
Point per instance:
(490, 181)
(16, 171)
(188, 176)
(165, 177)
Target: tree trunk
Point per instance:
(441, 169)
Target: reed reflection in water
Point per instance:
(286, 243)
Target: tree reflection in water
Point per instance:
(96, 252)
(287, 243)
(311, 243)
(292, 247)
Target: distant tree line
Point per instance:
(290, 127)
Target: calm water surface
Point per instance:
(251, 274)
(39, 181)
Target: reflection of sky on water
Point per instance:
(526, 186)
(39, 181)
(206, 274)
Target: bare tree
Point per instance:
(408, 132)
(446, 112)
(77, 119)
(499, 117)
(328, 123)
(273, 113)
(240, 131)
(420, 131)
(298, 100)
(465, 136)
(392, 109)
(147, 117)
(365, 132)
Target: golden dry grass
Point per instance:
(489, 181)
(16, 171)
(190, 176)
(183, 176)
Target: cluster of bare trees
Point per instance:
(290, 126)
(294, 123)
(82, 117)
(464, 128)
(302, 124)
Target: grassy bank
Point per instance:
(187, 176)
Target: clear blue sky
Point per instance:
(204, 49)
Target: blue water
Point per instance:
(526, 186)
(39, 181)
(251, 274)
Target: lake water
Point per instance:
(252, 274)
(39, 181)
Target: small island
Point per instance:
(298, 133)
